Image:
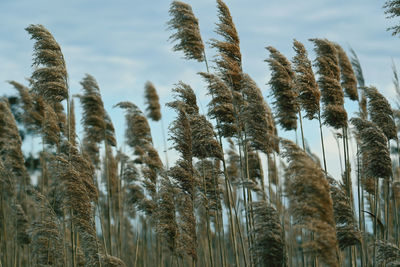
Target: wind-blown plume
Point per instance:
(255, 166)
(310, 202)
(79, 192)
(305, 84)
(332, 94)
(255, 115)
(22, 225)
(153, 102)
(375, 154)
(388, 253)
(355, 62)
(233, 162)
(221, 107)
(348, 77)
(93, 109)
(230, 58)
(166, 215)
(392, 8)
(47, 240)
(183, 174)
(380, 112)
(187, 31)
(210, 172)
(39, 116)
(30, 118)
(10, 146)
(346, 225)
(111, 261)
(204, 143)
(50, 78)
(138, 134)
(283, 90)
(185, 97)
(51, 129)
(268, 248)
(97, 124)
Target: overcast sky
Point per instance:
(125, 43)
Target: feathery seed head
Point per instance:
(283, 89)
(305, 84)
(153, 102)
(348, 77)
(380, 112)
(50, 78)
(327, 62)
(187, 33)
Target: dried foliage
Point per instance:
(96, 122)
(111, 261)
(388, 253)
(137, 133)
(327, 62)
(76, 176)
(93, 110)
(233, 162)
(348, 77)
(166, 214)
(346, 225)
(10, 146)
(22, 225)
(187, 34)
(50, 78)
(256, 172)
(375, 154)
(221, 106)
(153, 102)
(210, 189)
(229, 61)
(380, 112)
(305, 84)
(255, 115)
(204, 144)
(183, 174)
(269, 247)
(310, 202)
(47, 239)
(283, 90)
(392, 8)
(355, 62)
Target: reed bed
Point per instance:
(238, 193)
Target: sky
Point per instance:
(123, 44)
